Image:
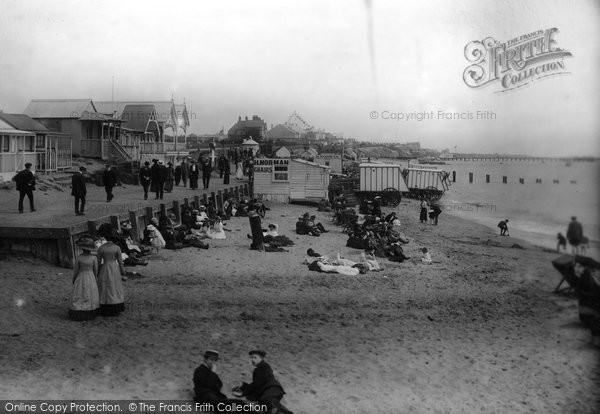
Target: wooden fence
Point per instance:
(57, 245)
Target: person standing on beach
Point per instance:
(574, 235)
(25, 185)
(503, 226)
(264, 389)
(84, 300)
(146, 178)
(109, 180)
(177, 172)
(562, 242)
(110, 283)
(170, 177)
(206, 171)
(161, 175)
(435, 213)
(185, 171)
(226, 171)
(79, 191)
(423, 212)
(194, 174)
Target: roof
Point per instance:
(250, 142)
(23, 122)
(136, 117)
(165, 110)
(59, 108)
(314, 164)
(7, 129)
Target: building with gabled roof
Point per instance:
(51, 150)
(90, 130)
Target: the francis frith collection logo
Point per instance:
(516, 62)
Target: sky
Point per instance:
(346, 66)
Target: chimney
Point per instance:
(246, 117)
(239, 119)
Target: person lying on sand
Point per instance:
(264, 389)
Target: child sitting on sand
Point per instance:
(426, 256)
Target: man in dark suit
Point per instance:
(206, 172)
(145, 178)
(264, 389)
(161, 174)
(109, 180)
(194, 173)
(207, 384)
(25, 185)
(79, 191)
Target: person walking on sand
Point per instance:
(207, 385)
(79, 191)
(574, 235)
(110, 283)
(185, 171)
(84, 301)
(264, 389)
(194, 174)
(503, 226)
(145, 178)
(206, 172)
(177, 172)
(25, 185)
(109, 180)
(170, 177)
(161, 173)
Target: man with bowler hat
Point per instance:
(25, 185)
(207, 384)
(79, 190)
(264, 389)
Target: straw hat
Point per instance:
(86, 243)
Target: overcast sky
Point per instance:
(270, 58)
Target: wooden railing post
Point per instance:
(135, 231)
(149, 214)
(177, 211)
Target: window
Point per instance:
(280, 172)
(39, 141)
(5, 141)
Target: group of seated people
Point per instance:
(196, 225)
(234, 208)
(306, 225)
(376, 234)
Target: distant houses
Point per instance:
(120, 130)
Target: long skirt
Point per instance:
(169, 185)
(110, 286)
(84, 301)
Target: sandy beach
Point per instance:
(479, 330)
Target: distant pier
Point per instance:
(517, 158)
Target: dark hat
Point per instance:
(306, 215)
(147, 163)
(27, 164)
(82, 168)
(211, 354)
(258, 352)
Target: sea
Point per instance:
(538, 208)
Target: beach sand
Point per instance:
(479, 330)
